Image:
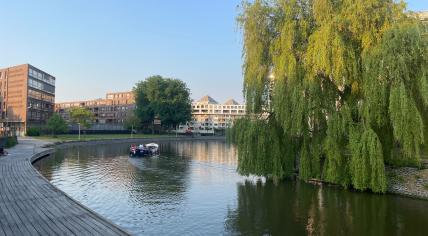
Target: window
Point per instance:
(42, 76)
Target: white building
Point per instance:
(422, 15)
(209, 115)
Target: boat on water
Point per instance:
(143, 150)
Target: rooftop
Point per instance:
(207, 100)
(231, 102)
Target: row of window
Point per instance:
(41, 86)
(112, 108)
(119, 95)
(219, 111)
(38, 115)
(41, 96)
(41, 76)
(39, 105)
(220, 106)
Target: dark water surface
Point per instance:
(192, 188)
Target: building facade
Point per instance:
(110, 113)
(422, 15)
(208, 115)
(28, 98)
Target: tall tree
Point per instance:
(338, 87)
(132, 122)
(56, 124)
(164, 98)
(81, 116)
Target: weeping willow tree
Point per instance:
(334, 90)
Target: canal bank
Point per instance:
(67, 144)
(409, 181)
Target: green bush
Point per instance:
(33, 131)
(11, 141)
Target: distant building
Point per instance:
(208, 115)
(110, 113)
(28, 98)
(422, 15)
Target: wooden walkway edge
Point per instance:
(30, 205)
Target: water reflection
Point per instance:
(301, 209)
(193, 188)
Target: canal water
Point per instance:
(192, 188)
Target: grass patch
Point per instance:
(11, 142)
(426, 187)
(90, 137)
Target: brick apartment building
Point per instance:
(27, 98)
(110, 112)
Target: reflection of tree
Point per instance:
(298, 209)
(83, 156)
(263, 209)
(159, 179)
(153, 178)
(48, 165)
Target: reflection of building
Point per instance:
(110, 113)
(217, 152)
(28, 97)
(209, 115)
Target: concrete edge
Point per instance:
(50, 149)
(67, 144)
(406, 195)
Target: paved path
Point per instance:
(30, 205)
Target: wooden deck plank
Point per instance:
(31, 212)
(49, 210)
(43, 212)
(77, 223)
(5, 222)
(30, 205)
(2, 231)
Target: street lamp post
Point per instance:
(79, 129)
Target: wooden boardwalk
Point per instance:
(30, 205)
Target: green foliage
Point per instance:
(256, 52)
(339, 87)
(11, 141)
(165, 98)
(56, 124)
(132, 122)
(262, 149)
(305, 163)
(82, 116)
(367, 164)
(33, 131)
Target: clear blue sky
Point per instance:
(97, 46)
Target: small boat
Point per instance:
(142, 150)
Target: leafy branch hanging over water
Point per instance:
(336, 89)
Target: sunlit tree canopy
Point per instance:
(334, 89)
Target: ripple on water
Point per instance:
(193, 188)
